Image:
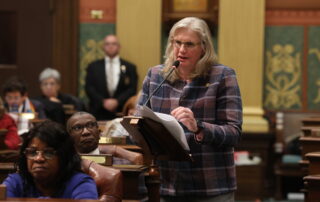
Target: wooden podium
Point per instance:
(156, 143)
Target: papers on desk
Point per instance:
(22, 120)
(169, 122)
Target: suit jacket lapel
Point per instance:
(103, 77)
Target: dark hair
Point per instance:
(14, 84)
(55, 136)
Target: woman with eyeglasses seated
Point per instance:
(49, 167)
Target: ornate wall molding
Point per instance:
(293, 17)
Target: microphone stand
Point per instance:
(155, 90)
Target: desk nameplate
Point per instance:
(103, 159)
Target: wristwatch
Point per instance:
(199, 126)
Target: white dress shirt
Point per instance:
(112, 67)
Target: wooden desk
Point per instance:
(312, 183)
(250, 182)
(260, 144)
(8, 155)
(311, 131)
(309, 144)
(314, 163)
(131, 179)
(131, 147)
(5, 169)
(2, 137)
(311, 121)
(284, 171)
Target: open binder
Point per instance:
(155, 140)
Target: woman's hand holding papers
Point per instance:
(186, 117)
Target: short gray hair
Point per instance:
(49, 73)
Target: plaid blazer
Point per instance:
(216, 102)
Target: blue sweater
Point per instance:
(79, 186)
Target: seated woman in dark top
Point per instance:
(49, 167)
(52, 99)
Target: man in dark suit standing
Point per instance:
(110, 82)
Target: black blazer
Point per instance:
(54, 110)
(96, 87)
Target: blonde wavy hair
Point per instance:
(209, 57)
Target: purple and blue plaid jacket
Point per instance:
(215, 101)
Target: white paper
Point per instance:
(169, 122)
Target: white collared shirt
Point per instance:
(113, 82)
(95, 152)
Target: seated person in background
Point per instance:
(15, 94)
(52, 99)
(49, 167)
(18, 105)
(11, 139)
(114, 127)
(129, 107)
(83, 127)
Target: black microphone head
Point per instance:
(176, 63)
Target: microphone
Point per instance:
(174, 64)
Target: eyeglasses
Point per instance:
(32, 153)
(187, 45)
(79, 128)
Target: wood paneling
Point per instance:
(47, 35)
(108, 7)
(8, 39)
(65, 43)
(32, 40)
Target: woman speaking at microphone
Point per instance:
(204, 96)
